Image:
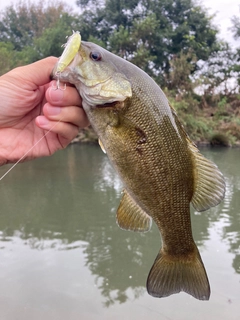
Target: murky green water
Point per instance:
(62, 255)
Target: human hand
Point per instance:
(30, 106)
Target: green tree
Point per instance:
(235, 26)
(221, 73)
(52, 39)
(236, 33)
(32, 31)
(6, 57)
(179, 79)
(150, 32)
(22, 23)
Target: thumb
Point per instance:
(37, 73)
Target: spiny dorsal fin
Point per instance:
(131, 217)
(209, 182)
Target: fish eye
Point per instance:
(96, 56)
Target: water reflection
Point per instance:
(69, 201)
(227, 214)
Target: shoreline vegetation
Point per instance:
(174, 41)
(214, 123)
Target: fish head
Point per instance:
(96, 76)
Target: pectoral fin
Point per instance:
(209, 182)
(131, 217)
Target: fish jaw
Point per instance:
(98, 82)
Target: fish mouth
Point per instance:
(99, 83)
(108, 105)
(70, 72)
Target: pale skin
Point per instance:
(30, 105)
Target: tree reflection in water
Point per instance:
(230, 213)
(69, 202)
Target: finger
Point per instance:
(65, 130)
(67, 97)
(72, 114)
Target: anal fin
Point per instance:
(131, 217)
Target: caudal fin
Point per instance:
(170, 274)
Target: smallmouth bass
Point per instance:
(161, 169)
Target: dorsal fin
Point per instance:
(131, 217)
(209, 182)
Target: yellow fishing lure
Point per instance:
(71, 48)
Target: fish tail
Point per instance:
(172, 274)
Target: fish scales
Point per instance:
(162, 185)
(161, 169)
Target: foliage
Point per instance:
(32, 31)
(51, 40)
(216, 122)
(236, 26)
(219, 139)
(6, 58)
(221, 72)
(27, 21)
(151, 32)
(174, 41)
(182, 66)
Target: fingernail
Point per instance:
(53, 110)
(56, 95)
(42, 121)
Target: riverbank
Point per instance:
(88, 136)
(208, 120)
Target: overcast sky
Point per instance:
(224, 9)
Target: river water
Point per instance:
(62, 256)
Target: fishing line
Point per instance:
(14, 165)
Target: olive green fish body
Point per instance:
(162, 171)
(142, 140)
(152, 159)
